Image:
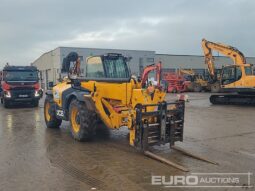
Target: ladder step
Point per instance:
(153, 137)
(153, 124)
(153, 141)
(153, 133)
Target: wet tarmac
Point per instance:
(35, 158)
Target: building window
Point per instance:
(150, 60)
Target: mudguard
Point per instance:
(84, 96)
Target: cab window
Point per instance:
(116, 67)
(231, 74)
(95, 68)
(248, 70)
(107, 67)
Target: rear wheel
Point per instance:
(50, 113)
(83, 122)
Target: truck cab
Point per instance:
(20, 84)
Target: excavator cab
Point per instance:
(230, 74)
(234, 73)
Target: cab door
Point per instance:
(230, 76)
(111, 77)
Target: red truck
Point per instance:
(20, 84)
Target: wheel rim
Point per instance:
(46, 111)
(75, 120)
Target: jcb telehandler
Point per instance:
(108, 93)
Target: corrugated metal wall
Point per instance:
(50, 63)
(192, 61)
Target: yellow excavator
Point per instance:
(237, 80)
(198, 83)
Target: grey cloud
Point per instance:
(28, 28)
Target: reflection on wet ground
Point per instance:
(35, 158)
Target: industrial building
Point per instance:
(196, 62)
(50, 63)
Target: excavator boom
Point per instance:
(154, 67)
(229, 51)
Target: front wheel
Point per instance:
(50, 113)
(83, 122)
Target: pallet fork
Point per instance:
(168, 128)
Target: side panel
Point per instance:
(244, 82)
(58, 90)
(115, 91)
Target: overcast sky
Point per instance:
(28, 28)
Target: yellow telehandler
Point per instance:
(107, 92)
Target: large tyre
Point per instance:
(50, 113)
(83, 122)
(197, 87)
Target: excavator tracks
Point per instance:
(233, 99)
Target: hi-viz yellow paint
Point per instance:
(58, 90)
(244, 79)
(120, 99)
(108, 92)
